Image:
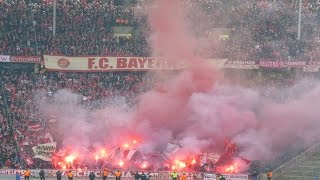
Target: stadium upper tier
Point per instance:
(87, 27)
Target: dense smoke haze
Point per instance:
(195, 109)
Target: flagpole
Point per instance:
(299, 21)
(54, 18)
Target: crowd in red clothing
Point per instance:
(83, 28)
(23, 88)
(258, 30)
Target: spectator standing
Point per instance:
(183, 177)
(118, 175)
(255, 176)
(148, 176)
(59, 175)
(70, 175)
(41, 174)
(105, 174)
(269, 175)
(136, 176)
(92, 175)
(17, 176)
(143, 176)
(174, 175)
(27, 174)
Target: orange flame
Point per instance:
(232, 168)
(182, 165)
(121, 163)
(126, 145)
(70, 158)
(103, 152)
(193, 161)
(144, 166)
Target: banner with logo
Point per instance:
(87, 64)
(26, 59)
(162, 175)
(44, 151)
(4, 58)
(241, 65)
(96, 64)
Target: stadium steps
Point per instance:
(303, 167)
(298, 173)
(295, 178)
(311, 163)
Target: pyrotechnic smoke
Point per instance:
(200, 113)
(72, 118)
(170, 36)
(193, 110)
(82, 127)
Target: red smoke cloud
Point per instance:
(194, 109)
(198, 112)
(170, 36)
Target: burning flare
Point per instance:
(70, 158)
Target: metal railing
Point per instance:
(278, 172)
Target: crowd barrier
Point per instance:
(126, 175)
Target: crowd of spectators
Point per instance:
(82, 28)
(259, 30)
(23, 88)
(31, 126)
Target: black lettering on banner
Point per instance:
(46, 148)
(44, 154)
(127, 174)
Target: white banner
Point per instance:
(159, 175)
(87, 64)
(4, 58)
(44, 151)
(96, 64)
(235, 176)
(209, 177)
(311, 68)
(241, 65)
(226, 176)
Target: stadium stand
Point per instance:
(303, 166)
(85, 28)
